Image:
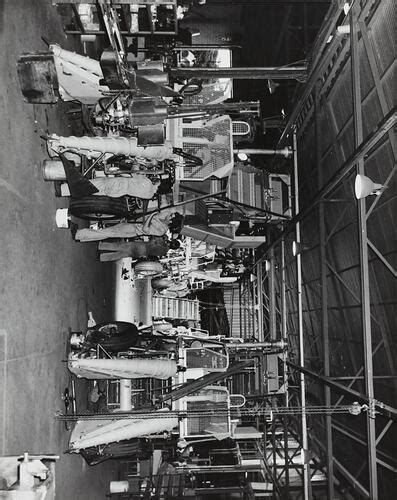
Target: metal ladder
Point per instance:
(166, 307)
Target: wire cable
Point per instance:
(216, 412)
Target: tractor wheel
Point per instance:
(114, 336)
(99, 208)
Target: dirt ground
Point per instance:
(48, 281)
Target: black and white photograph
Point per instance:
(198, 250)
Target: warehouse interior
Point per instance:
(321, 285)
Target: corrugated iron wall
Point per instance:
(336, 144)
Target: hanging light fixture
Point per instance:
(272, 86)
(343, 30)
(364, 187)
(242, 156)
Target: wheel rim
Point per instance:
(108, 329)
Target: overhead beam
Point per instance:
(364, 267)
(261, 73)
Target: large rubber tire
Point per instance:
(148, 268)
(115, 327)
(161, 283)
(114, 336)
(98, 208)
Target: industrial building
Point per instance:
(253, 356)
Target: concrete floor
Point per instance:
(48, 281)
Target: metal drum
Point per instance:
(151, 135)
(53, 170)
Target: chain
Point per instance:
(266, 412)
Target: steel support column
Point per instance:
(284, 336)
(363, 241)
(324, 298)
(286, 450)
(272, 295)
(258, 285)
(284, 313)
(283, 304)
(305, 446)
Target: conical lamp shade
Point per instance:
(242, 156)
(364, 186)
